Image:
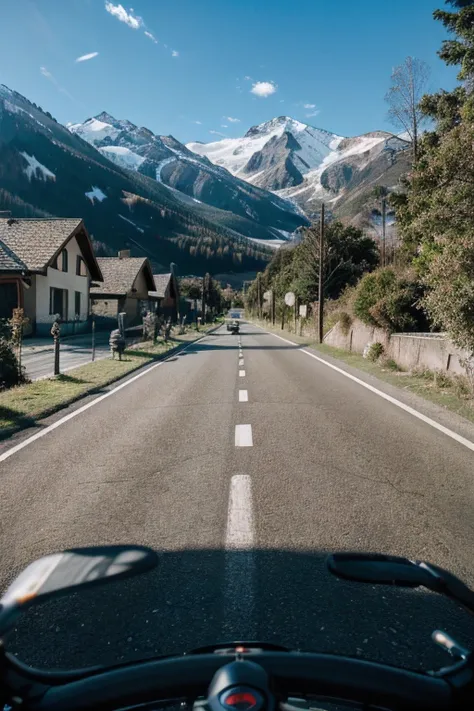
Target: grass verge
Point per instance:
(450, 392)
(24, 405)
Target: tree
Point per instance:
(409, 82)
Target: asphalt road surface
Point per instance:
(243, 471)
(38, 360)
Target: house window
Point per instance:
(61, 261)
(80, 266)
(58, 302)
(77, 304)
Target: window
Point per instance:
(81, 269)
(58, 302)
(61, 261)
(77, 304)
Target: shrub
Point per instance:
(345, 321)
(375, 351)
(10, 372)
(390, 364)
(388, 300)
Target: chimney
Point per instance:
(124, 253)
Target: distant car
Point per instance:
(233, 327)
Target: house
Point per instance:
(46, 266)
(166, 295)
(126, 284)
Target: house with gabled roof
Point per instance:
(166, 295)
(125, 288)
(46, 267)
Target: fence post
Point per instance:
(56, 334)
(93, 338)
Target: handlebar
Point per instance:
(291, 674)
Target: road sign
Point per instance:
(290, 298)
(303, 310)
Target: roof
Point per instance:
(120, 273)
(161, 283)
(32, 244)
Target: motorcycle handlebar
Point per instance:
(291, 673)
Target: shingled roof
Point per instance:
(33, 244)
(161, 284)
(120, 273)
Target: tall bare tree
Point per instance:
(409, 82)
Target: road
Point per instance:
(243, 471)
(38, 359)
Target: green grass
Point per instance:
(24, 405)
(450, 392)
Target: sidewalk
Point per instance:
(35, 345)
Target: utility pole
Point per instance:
(273, 307)
(321, 278)
(384, 216)
(259, 297)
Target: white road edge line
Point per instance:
(243, 396)
(241, 374)
(80, 410)
(411, 410)
(243, 436)
(239, 580)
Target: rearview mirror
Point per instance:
(382, 569)
(60, 573)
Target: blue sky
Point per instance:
(187, 67)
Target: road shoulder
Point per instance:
(383, 382)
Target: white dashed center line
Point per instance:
(243, 396)
(242, 373)
(243, 436)
(241, 361)
(239, 590)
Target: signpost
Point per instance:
(290, 298)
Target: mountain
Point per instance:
(169, 162)
(47, 170)
(309, 165)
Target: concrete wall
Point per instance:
(409, 351)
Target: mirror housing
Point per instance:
(64, 572)
(376, 568)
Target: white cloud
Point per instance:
(224, 125)
(86, 57)
(174, 53)
(151, 36)
(47, 74)
(309, 106)
(263, 88)
(313, 113)
(199, 123)
(231, 119)
(247, 78)
(218, 133)
(121, 14)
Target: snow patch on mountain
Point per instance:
(122, 156)
(95, 194)
(132, 223)
(94, 131)
(35, 169)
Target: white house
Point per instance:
(46, 267)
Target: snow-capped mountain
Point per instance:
(258, 156)
(46, 170)
(308, 165)
(168, 161)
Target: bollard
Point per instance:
(56, 334)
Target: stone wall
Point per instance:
(409, 351)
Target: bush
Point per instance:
(375, 351)
(10, 373)
(346, 322)
(388, 300)
(390, 364)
